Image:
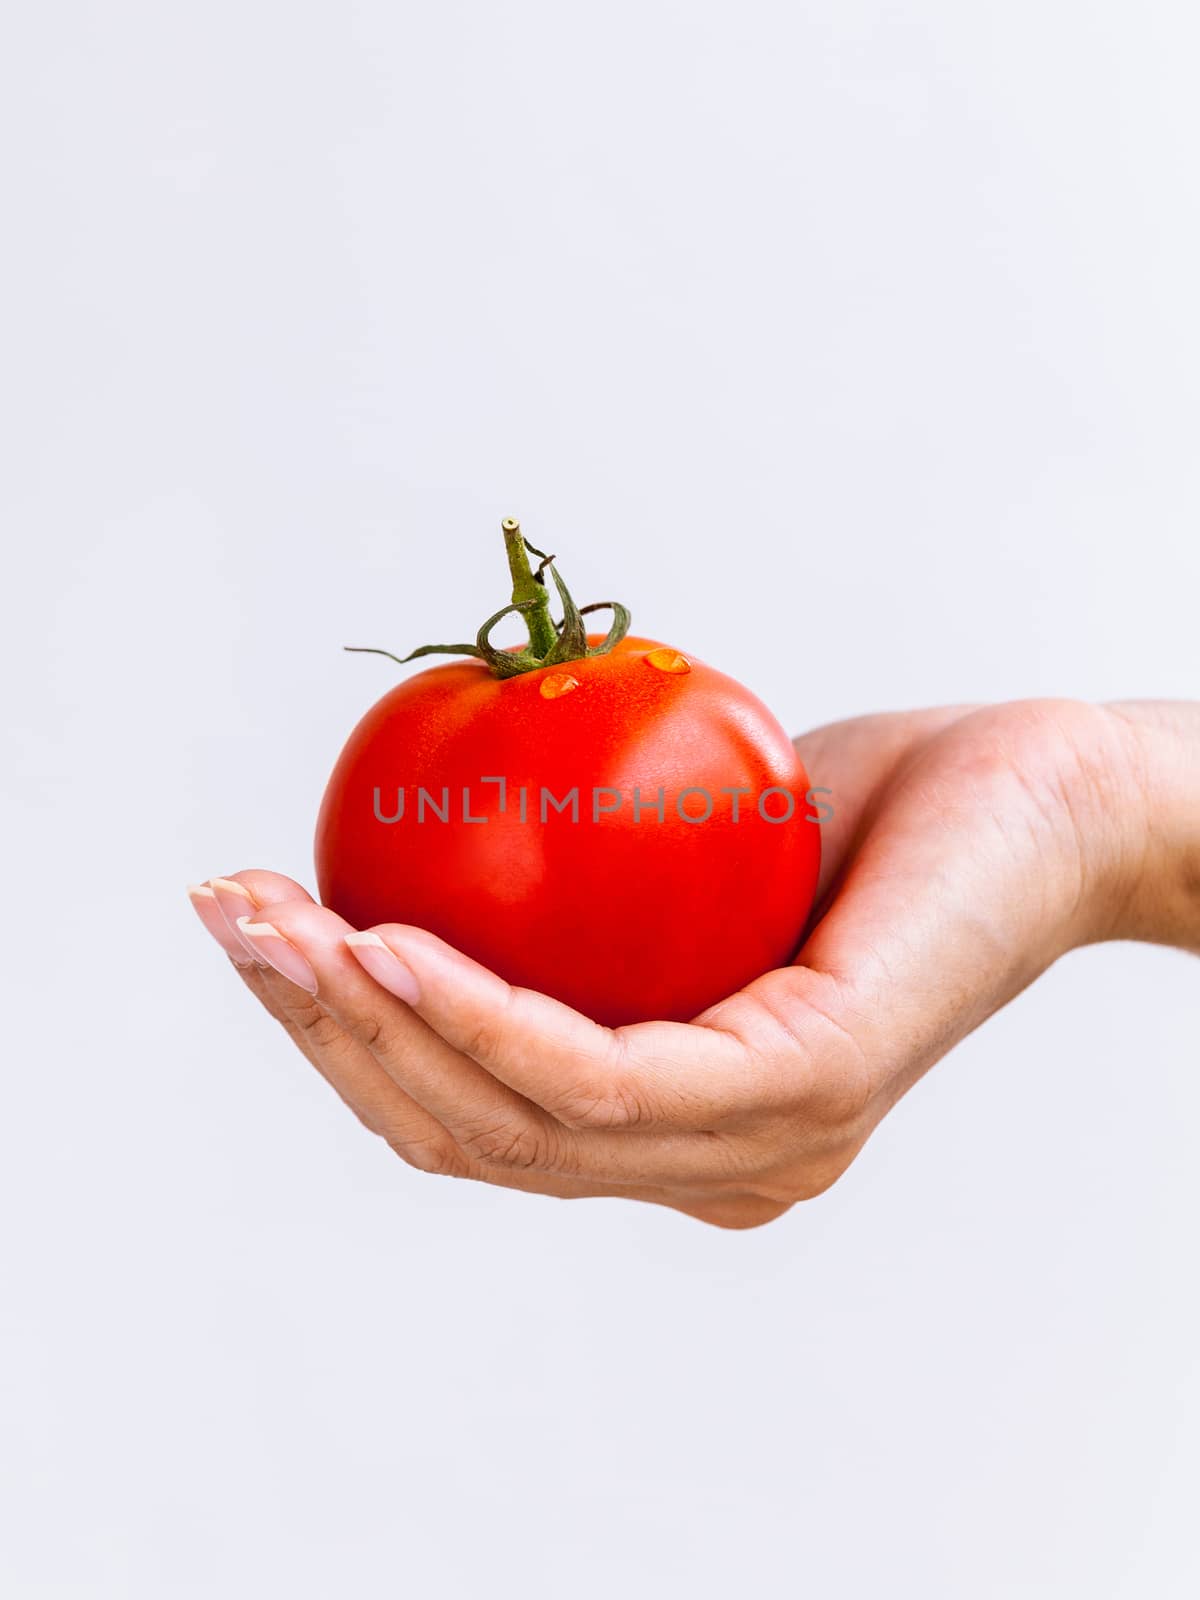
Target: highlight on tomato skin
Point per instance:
(603, 818)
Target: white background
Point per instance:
(857, 347)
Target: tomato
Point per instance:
(627, 831)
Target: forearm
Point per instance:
(1161, 897)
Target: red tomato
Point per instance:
(622, 913)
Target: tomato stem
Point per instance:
(529, 589)
(550, 643)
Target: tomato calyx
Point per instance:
(551, 642)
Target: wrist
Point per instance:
(1157, 881)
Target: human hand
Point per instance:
(969, 848)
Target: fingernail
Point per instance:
(204, 903)
(278, 953)
(234, 900)
(384, 965)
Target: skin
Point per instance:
(971, 847)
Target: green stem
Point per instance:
(528, 590)
(550, 643)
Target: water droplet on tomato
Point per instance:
(555, 684)
(668, 661)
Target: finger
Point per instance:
(239, 895)
(353, 1076)
(378, 1102)
(350, 1070)
(652, 1076)
(204, 904)
(807, 1020)
(386, 1111)
(487, 1118)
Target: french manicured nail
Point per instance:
(384, 965)
(204, 902)
(279, 953)
(234, 900)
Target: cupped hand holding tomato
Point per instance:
(970, 848)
